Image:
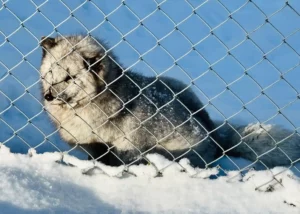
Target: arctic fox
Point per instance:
(117, 116)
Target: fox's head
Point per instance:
(75, 69)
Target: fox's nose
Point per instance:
(49, 97)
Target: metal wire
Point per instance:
(214, 32)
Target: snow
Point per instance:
(36, 183)
(257, 128)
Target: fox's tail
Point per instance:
(271, 145)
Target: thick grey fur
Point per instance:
(121, 116)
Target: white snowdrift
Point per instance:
(38, 184)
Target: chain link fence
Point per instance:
(241, 59)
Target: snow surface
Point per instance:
(38, 184)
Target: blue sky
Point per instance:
(230, 21)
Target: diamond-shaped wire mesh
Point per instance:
(241, 58)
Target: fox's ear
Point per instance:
(47, 42)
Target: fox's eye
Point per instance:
(68, 77)
(87, 62)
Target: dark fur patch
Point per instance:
(97, 150)
(46, 44)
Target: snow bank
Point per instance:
(38, 184)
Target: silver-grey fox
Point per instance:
(119, 116)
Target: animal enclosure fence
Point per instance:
(241, 59)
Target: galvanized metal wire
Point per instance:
(214, 33)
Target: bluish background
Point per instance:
(216, 44)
